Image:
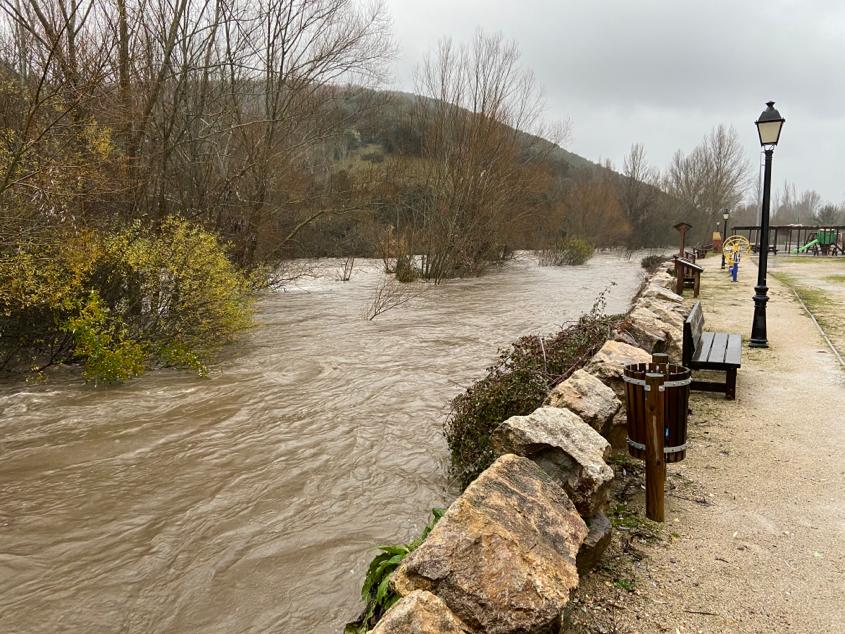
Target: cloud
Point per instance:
(664, 73)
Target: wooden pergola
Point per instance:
(787, 237)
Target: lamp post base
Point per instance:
(758, 328)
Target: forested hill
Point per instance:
(386, 119)
(391, 142)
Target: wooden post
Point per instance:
(655, 463)
(682, 228)
(679, 277)
(697, 285)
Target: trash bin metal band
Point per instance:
(632, 381)
(678, 383)
(641, 447)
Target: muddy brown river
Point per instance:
(250, 501)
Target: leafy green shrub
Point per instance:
(376, 591)
(567, 251)
(109, 355)
(120, 302)
(517, 384)
(652, 262)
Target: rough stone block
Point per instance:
(595, 544)
(608, 364)
(502, 558)
(662, 293)
(421, 613)
(589, 398)
(617, 436)
(569, 450)
(652, 333)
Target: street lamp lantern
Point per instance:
(725, 215)
(769, 125)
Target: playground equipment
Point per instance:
(797, 239)
(734, 248)
(824, 241)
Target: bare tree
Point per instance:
(638, 194)
(389, 294)
(479, 170)
(714, 176)
(830, 215)
(792, 206)
(593, 210)
(216, 110)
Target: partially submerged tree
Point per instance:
(477, 178)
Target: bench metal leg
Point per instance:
(730, 391)
(728, 388)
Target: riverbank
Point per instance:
(756, 512)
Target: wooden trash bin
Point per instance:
(675, 408)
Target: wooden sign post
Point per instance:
(655, 462)
(682, 228)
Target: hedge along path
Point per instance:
(759, 547)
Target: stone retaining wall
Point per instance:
(508, 552)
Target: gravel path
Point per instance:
(755, 534)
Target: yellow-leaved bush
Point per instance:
(120, 302)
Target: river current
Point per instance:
(251, 501)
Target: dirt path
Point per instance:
(755, 534)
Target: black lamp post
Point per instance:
(768, 127)
(725, 215)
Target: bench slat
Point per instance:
(702, 352)
(717, 352)
(733, 352)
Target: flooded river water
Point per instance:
(251, 501)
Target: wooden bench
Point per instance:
(687, 273)
(711, 351)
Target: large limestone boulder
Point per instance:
(662, 293)
(420, 613)
(569, 450)
(585, 395)
(647, 329)
(671, 314)
(663, 279)
(652, 333)
(503, 556)
(608, 364)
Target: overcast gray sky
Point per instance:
(664, 73)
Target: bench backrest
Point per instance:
(690, 266)
(693, 327)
